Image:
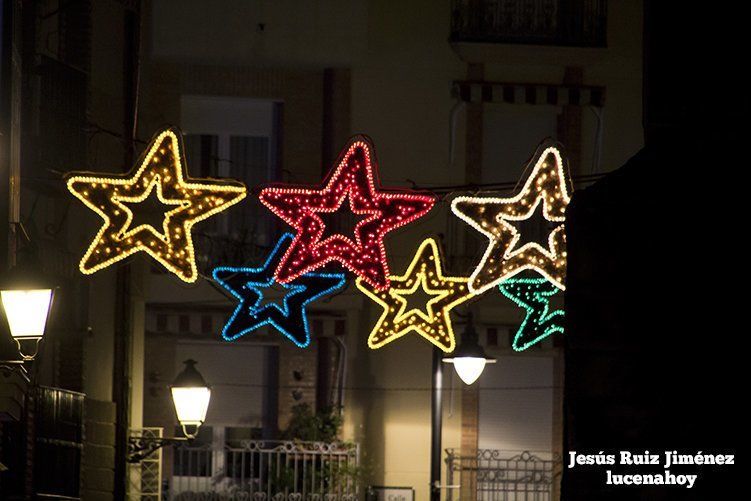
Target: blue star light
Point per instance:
(533, 294)
(249, 286)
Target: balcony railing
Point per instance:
(500, 475)
(575, 23)
(266, 470)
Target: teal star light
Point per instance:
(533, 294)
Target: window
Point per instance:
(161, 322)
(202, 153)
(250, 163)
(207, 324)
(183, 323)
(492, 336)
(247, 159)
(237, 138)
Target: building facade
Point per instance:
(455, 95)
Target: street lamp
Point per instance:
(469, 358)
(190, 397)
(26, 296)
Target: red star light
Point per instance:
(352, 184)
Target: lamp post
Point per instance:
(190, 398)
(469, 358)
(436, 426)
(469, 361)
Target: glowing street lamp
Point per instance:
(469, 358)
(190, 396)
(26, 297)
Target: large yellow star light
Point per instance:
(161, 172)
(547, 184)
(428, 316)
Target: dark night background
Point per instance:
(656, 298)
(655, 301)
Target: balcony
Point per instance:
(269, 470)
(561, 23)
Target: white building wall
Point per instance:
(516, 404)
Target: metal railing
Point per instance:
(495, 475)
(580, 23)
(257, 470)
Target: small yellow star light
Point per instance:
(161, 171)
(495, 218)
(429, 318)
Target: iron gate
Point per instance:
(495, 475)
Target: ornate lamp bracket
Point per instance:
(139, 448)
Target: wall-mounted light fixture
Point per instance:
(190, 398)
(26, 295)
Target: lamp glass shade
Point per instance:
(191, 404)
(469, 369)
(27, 311)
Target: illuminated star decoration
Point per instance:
(248, 285)
(533, 294)
(495, 217)
(160, 171)
(431, 318)
(353, 182)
